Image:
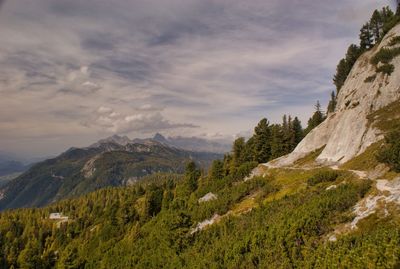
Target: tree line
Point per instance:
(371, 33)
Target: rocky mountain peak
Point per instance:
(348, 131)
(160, 138)
(114, 139)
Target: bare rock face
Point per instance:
(347, 133)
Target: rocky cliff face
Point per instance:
(347, 132)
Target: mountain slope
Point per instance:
(350, 130)
(110, 162)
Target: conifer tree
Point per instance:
(332, 103)
(278, 145)
(248, 151)
(238, 149)
(341, 74)
(298, 131)
(30, 256)
(316, 119)
(262, 136)
(376, 23)
(366, 37)
(227, 164)
(192, 175)
(154, 198)
(216, 170)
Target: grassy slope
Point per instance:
(364, 161)
(309, 160)
(385, 119)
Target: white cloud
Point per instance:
(84, 70)
(141, 122)
(104, 110)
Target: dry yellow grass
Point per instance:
(365, 161)
(309, 160)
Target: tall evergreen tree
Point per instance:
(332, 103)
(298, 131)
(376, 23)
(238, 149)
(341, 74)
(366, 37)
(345, 65)
(216, 170)
(278, 145)
(352, 54)
(154, 198)
(227, 164)
(262, 136)
(316, 119)
(192, 175)
(248, 152)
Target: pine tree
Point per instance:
(227, 164)
(298, 131)
(30, 256)
(376, 23)
(352, 54)
(366, 37)
(154, 198)
(70, 258)
(237, 151)
(332, 103)
(216, 170)
(285, 124)
(345, 65)
(192, 175)
(316, 119)
(262, 147)
(278, 144)
(341, 74)
(387, 14)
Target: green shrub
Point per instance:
(386, 69)
(385, 55)
(370, 79)
(244, 170)
(323, 176)
(390, 153)
(394, 41)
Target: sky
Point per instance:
(72, 71)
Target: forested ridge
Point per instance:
(371, 34)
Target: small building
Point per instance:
(57, 216)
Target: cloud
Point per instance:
(144, 121)
(74, 71)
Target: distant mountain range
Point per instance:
(8, 167)
(186, 143)
(114, 161)
(195, 143)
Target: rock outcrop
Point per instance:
(347, 132)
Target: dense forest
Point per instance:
(153, 225)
